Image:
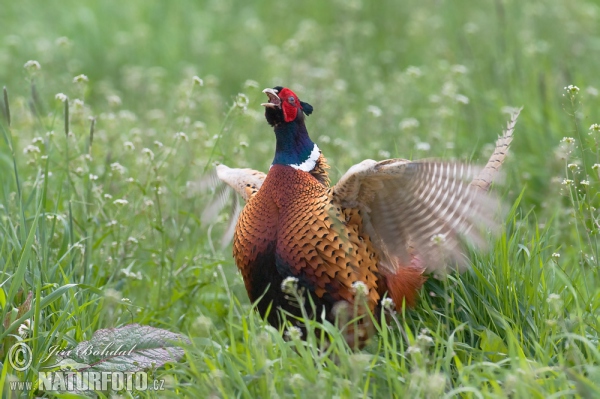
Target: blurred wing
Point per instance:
(245, 182)
(417, 208)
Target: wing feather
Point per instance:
(245, 182)
(423, 206)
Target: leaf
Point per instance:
(130, 348)
(493, 345)
(2, 298)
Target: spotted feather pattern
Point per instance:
(417, 206)
(317, 241)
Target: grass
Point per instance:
(408, 79)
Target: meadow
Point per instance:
(114, 111)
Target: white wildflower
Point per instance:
(595, 127)
(120, 201)
(63, 41)
(572, 166)
(62, 97)
(567, 182)
(551, 323)
(158, 144)
(114, 100)
(251, 83)
(555, 255)
(423, 146)
(129, 145)
(181, 136)
(438, 239)
(293, 333)
(325, 139)
(555, 302)
(132, 275)
(117, 167)
(25, 328)
(198, 81)
(374, 110)
(571, 89)
(111, 223)
(32, 65)
(80, 79)
(340, 85)
(408, 123)
(289, 285)
(568, 140)
(424, 340)
(242, 101)
(297, 381)
(93, 177)
(585, 182)
(414, 71)
(132, 240)
(596, 166)
(360, 289)
(388, 304)
(31, 149)
(434, 98)
(148, 152)
(107, 196)
(459, 69)
(461, 99)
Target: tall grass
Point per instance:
(99, 220)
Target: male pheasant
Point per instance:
(378, 230)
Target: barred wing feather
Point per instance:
(245, 182)
(418, 208)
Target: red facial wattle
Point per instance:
(290, 104)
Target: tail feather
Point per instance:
(404, 284)
(488, 173)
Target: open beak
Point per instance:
(274, 100)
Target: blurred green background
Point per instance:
(175, 86)
(406, 60)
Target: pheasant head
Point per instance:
(286, 113)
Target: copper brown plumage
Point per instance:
(383, 225)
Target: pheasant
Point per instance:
(376, 233)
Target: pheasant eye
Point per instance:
(291, 99)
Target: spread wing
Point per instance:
(420, 208)
(245, 182)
